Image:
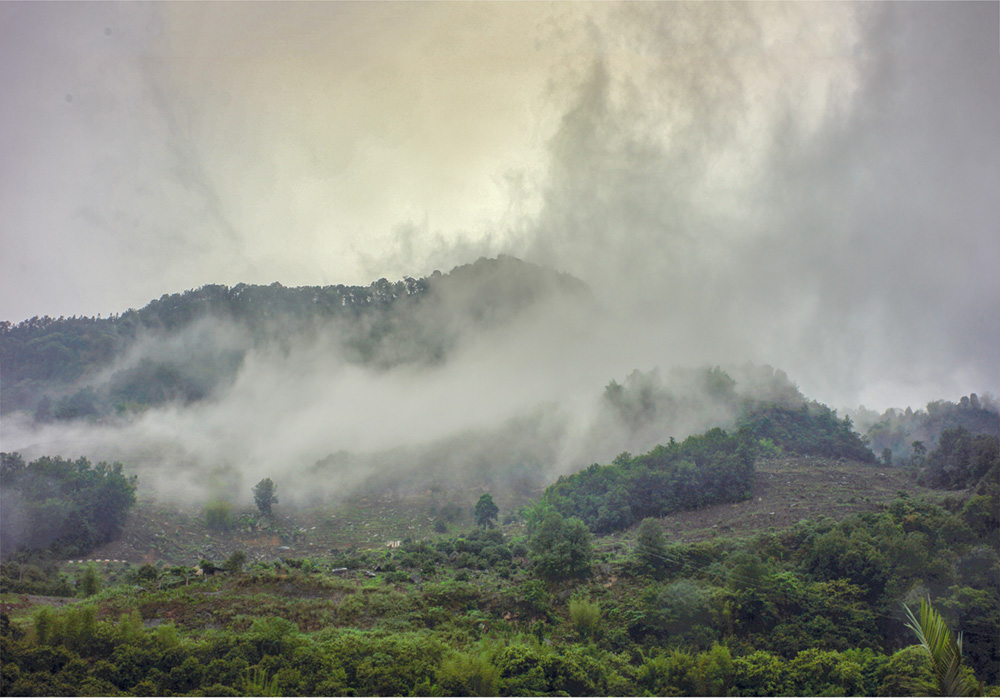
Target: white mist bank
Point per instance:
(519, 401)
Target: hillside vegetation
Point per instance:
(803, 599)
(184, 347)
(905, 434)
(752, 543)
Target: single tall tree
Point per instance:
(263, 496)
(486, 512)
(651, 549)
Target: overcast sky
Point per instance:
(805, 184)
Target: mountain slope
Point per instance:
(183, 347)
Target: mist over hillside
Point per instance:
(497, 371)
(900, 429)
(808, 187)
(548, 333)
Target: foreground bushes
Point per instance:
(69, 653)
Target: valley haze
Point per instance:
(806, 186)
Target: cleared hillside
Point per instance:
(785, 491)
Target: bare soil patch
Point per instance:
(789, 490)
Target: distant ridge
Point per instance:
(51, 366)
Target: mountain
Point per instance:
(186, 346)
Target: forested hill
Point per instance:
(183, 346)
(904, 435)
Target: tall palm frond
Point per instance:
(262, 685)
(945, 652)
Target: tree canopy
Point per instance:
(68, 506)
(486, 512)
(560, 548)
(707, 469)
(264, 496)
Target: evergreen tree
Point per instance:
(486, 512)
(651, 548)
(263, 496)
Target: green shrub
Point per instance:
(469, 675)
(234, 564)
(89, 583)
(585, 616)
(218, 515)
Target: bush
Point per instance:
(89, 583)
(684, 613)
(218, 515)
(650, 549)
(585, 616)
(561, 548)
(469, 675)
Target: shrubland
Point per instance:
(546, 605)
(676, 571)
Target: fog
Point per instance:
(516, 401)
(809, 186)
(505, 394)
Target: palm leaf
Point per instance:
(945, 652)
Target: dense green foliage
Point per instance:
(962, 460)
(707, 469)
(810, 430)
(108, 658)
(813, 610)
(67, 506)
(898, 429)
(560, 548)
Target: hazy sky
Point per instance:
(805, 184)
